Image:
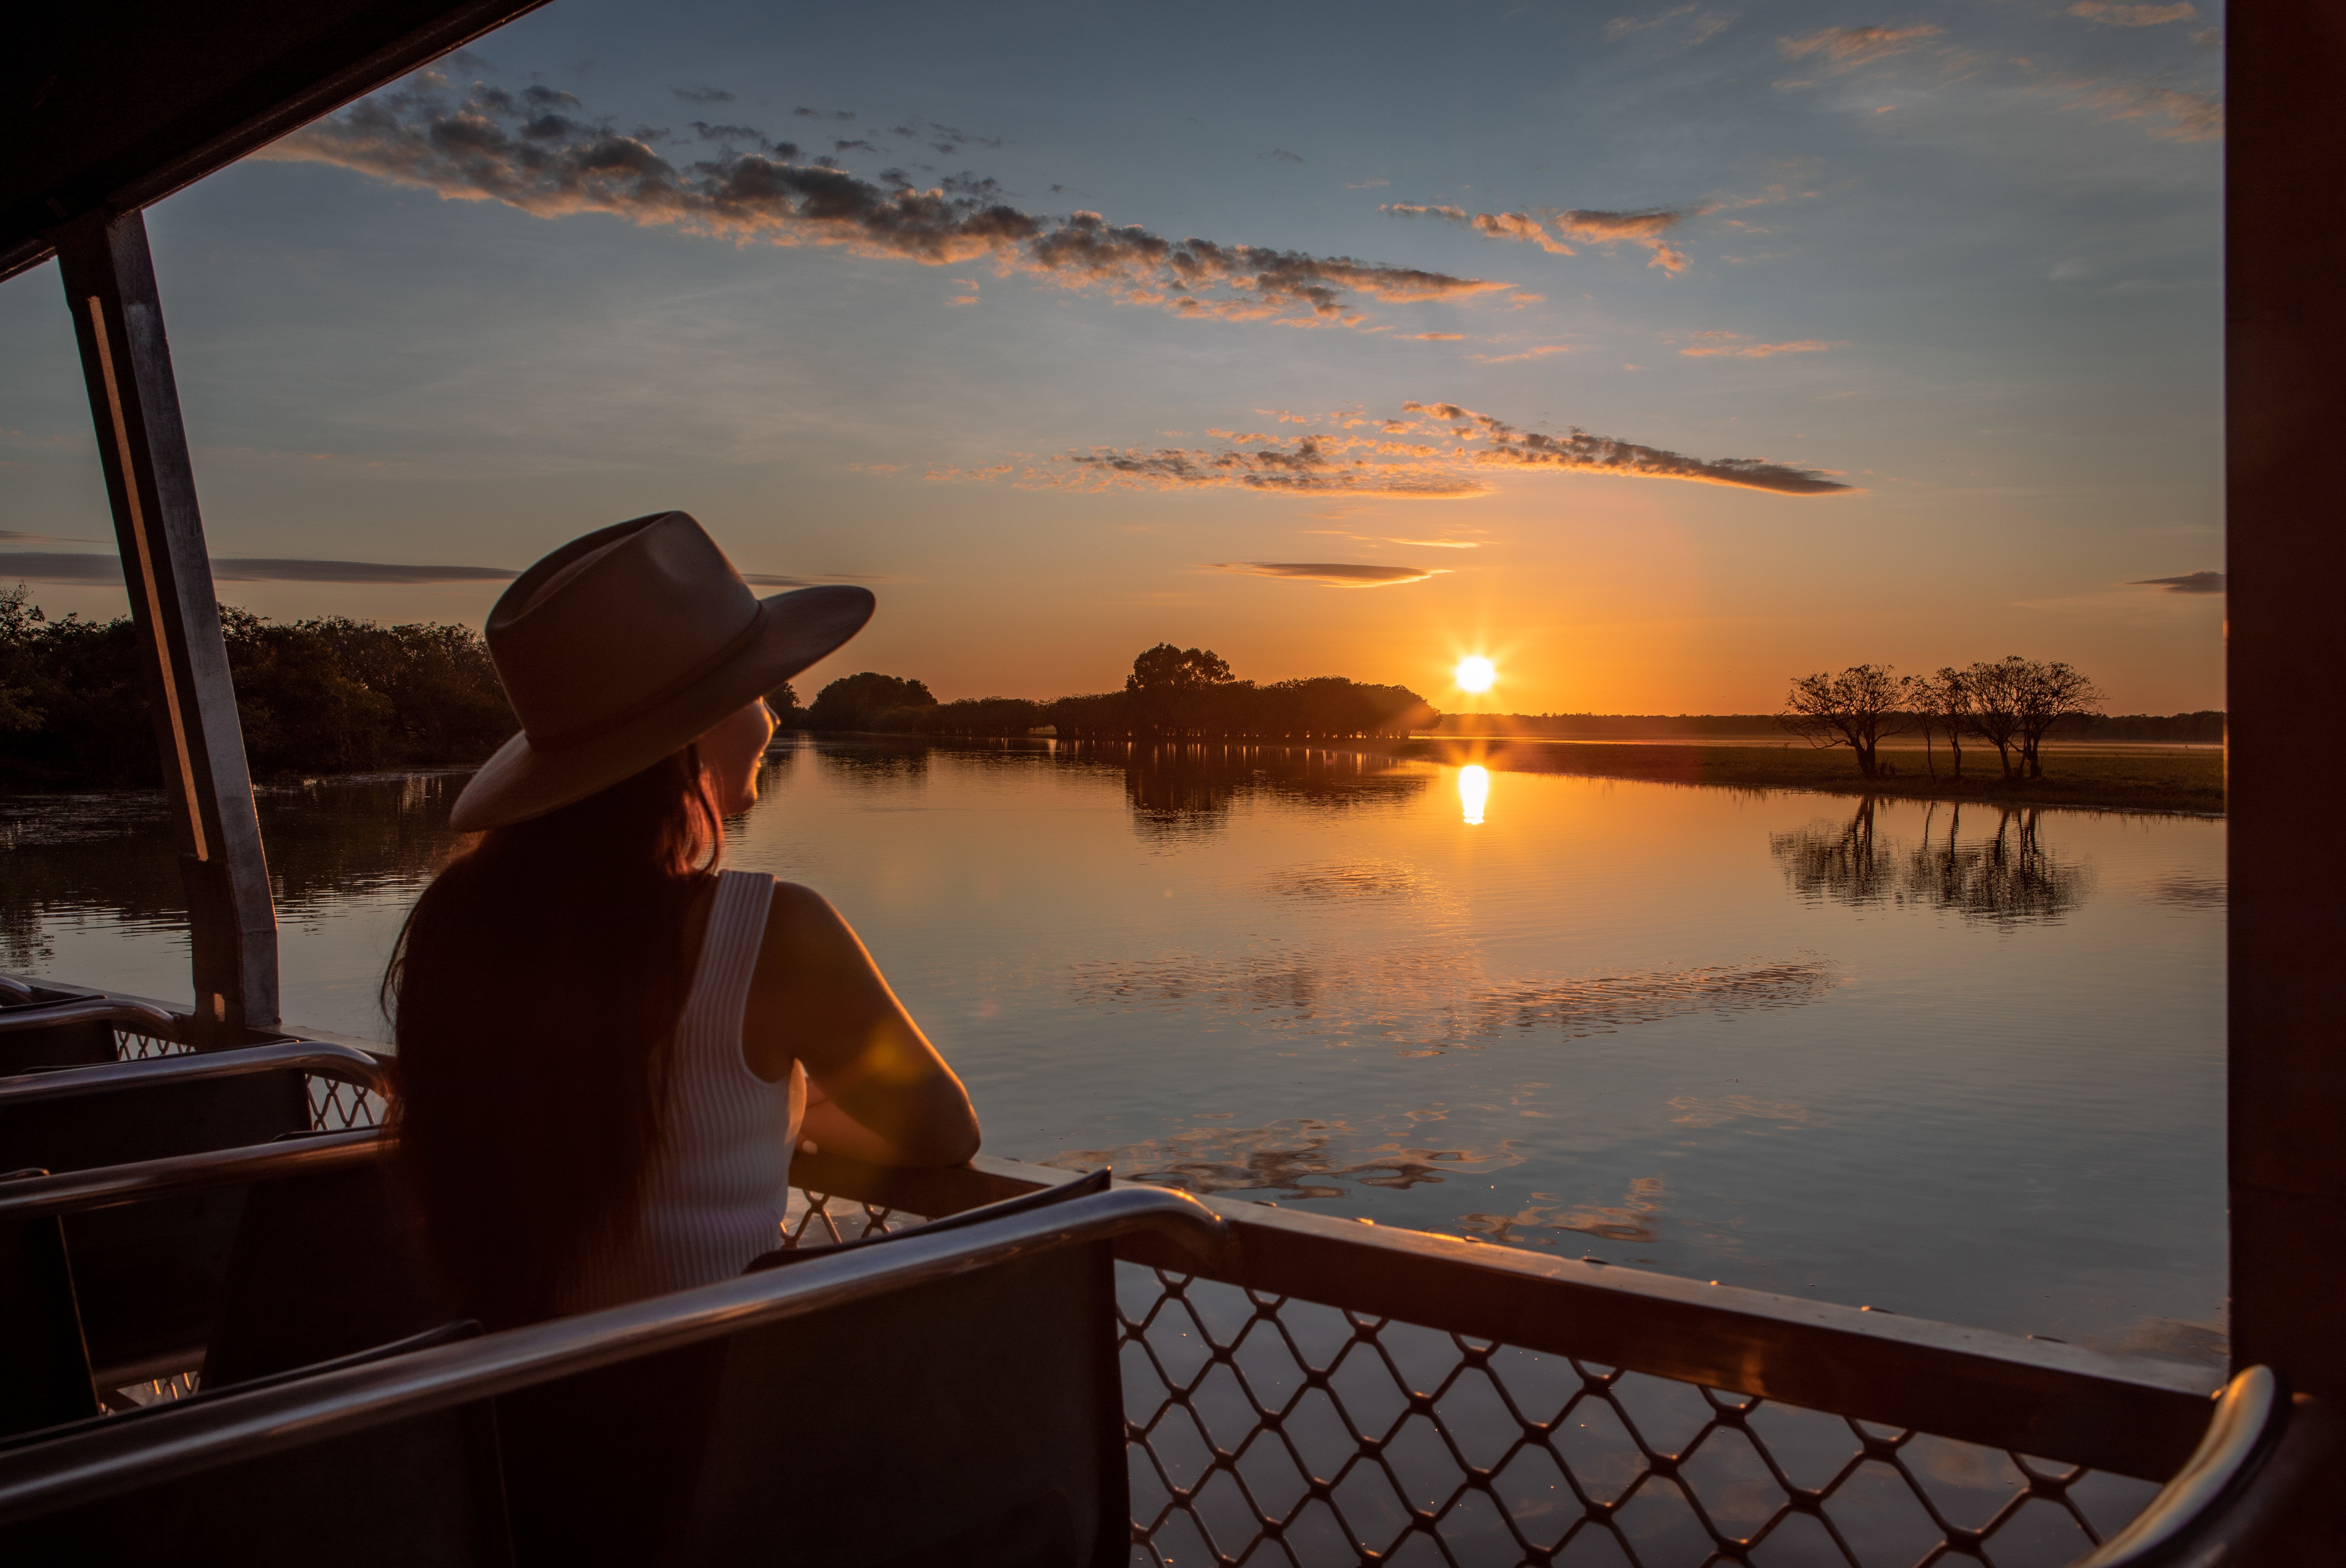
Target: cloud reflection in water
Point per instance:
(1437, 996)
(1294, 1159)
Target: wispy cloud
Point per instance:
(946, 140)
(1431, 450)
(1622, 26)
(2171, 114)
(1551, 230)
(526, 150)
(1439, 337)
(11, 534)
(703, 94)
(1394, 539)
(1697, 26)
(2190, 583)
(1543, 351)
(1577, 450)
(1844, 48)
(1735, 346)
(1331, 574)
(2118, 16)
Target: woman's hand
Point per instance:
(886, 1095)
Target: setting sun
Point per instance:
(1476, 674)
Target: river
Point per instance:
(1959, 1064)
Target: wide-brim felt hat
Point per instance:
(622, 647)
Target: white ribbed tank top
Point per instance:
(719, 1183)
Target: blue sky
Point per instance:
(1959, 260)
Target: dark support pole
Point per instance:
(2285, 393)
(110, 280)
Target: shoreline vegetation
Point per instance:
(2135, 779)
(332, 694)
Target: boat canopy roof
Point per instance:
(112, 104)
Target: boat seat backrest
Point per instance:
(148, 1275)
(977, 1418)
(972, 1420)
(324, 1264)
(423, 1489)
(44, 1366)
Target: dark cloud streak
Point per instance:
(520, 150)
(1449, 452)
(2190, 583)
(1332, 574)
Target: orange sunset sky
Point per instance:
(1659, 353)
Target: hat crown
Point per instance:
(614, 620)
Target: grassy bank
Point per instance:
(2161, 780)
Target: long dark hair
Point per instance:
(535, 992)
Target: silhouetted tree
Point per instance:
(863, 701)
(2045, 695)
(1941, 706)
(1173, 690)
(1994, 693)
(784, 702)
(1859, 709)
(19, 672)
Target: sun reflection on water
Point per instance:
(1474, 790)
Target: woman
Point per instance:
(607, 1048)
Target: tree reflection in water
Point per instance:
(2008, 877)
(1182, 790)
(329, 842)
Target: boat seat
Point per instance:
(323, 1264)
(423, 1489)
(990, 1398)
(148, 1275)
(47, 1378)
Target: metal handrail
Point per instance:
(92, 1464)
(92, 1010)
(343, 1063)
(2247, 1412)
(2127, 1414)
(108, 1186)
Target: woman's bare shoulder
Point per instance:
(803, 929)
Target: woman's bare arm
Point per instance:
(887, 1096)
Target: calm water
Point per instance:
(1965, 1066)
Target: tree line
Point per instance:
(330, 694)
(334, 695)
(1172, 693)
(2011, 704)
(2204, 727)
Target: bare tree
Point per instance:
(2047, 693)
(1941, 704)
(1992, 710)
(1859, 709)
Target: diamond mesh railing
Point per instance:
(137, 1045)
(335, 1106)
(1264, 1430)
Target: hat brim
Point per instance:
(522, 781)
